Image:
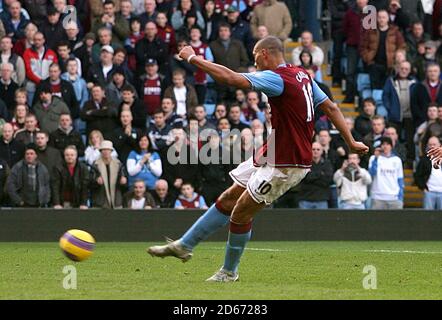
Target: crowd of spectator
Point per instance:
(93, 105)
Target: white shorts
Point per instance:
(266, 184)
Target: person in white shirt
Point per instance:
(428, 177)
(353, 182)
(139, 198)
(387, 191)
(307, 45)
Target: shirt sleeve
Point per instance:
(266, 81)
(318, 95)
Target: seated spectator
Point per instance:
(18, 72)
(172, 118)
(130, 102)
(73, 38)
(101, 72)
(184, 95)
(92, 152)
(275, 16)
(125, 137)
(22, 44)
(315, 188)
(161, 195)
(240, 28)
(149, 13)
(413, 37)
(200, 114)
(338, 142)
(399, 148)
(4, 173)
(433, 129)
(429, 179)
(114, 88)
(189, 22)
(144, 164)
(120, 61)
(151, 87)
(189, 199)
(373, 139)
(28, 134)
(99, 113)
(160, 133)
(387, 190)
(432, 116)
(104, 40)
(52, 28)
(70, 182)
(306, 60)
(14, 21)
(66, 135)
(308, 46)
(48, 109)
(28, 182)
(363, 121)
(108, 179)
(19, 117)
(377, 48)
(11, 150)
(47, 155)
(7, 88)
(352, 182)
(138, 198)
(64, 54)
(220, 112)
(334, 156)
(235, 118)
(113, 21)
(426, 92)
(59, 88)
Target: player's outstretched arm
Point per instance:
(335, 115)
(435, 154)
(219, 73)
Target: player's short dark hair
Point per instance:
(270, 43)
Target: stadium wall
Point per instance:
(30, 225)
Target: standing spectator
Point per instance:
(136, 34)
(352, 29)
(363, 121)
(92, 152)
(315, 188)
(99, 113)
(161, 195)
(432, 116)
(138, 198)
(113, 21)
(398, 16)
(183, 9)
(413, 37)
(144, 164)
(125, 137)
(127, 10)
(47, 155)
(21, 45)
(28, 134)
(66, 135)
(152, 47)
(48, 109)
(7, 56)
(189, 199)
(130, 102)
(427, 55)
(426, 92)
(19, 116)
(387, 191)
(373, 139)
(160, 133)
(397, 96)
(240, 29)
(109, 179)
(429, 179)
(352, 182)
(11, 150)
(4, 173)
(70, 182)
(101, 73)
(84, 53)
(399, 148)
(64, 54)
(151, 87)
(96, 7)
(184, 95)
(53, 29)
(220, 112)
(72, 35)
(433, 129)
(37, 9)
(28, 183)
(114, 89)
(37, 60)
(378, 47)
(308, 46)
(104, 39)
(235, 118)
(275, 16)
(14, 21)
(212, 19)
(60, 88)
(335, 157)
(203, 50)
(166, 32)
(230, 53)
(149, 14)
(7, 88)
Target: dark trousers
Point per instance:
(352, 66)
(201, 93)
(338, 51)
(406, 131)
(378, 75)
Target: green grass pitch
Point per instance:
(269, 270)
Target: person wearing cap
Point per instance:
(101, 72)
(104, 38)
(53, 28)
(113, 21)
(109, 179)
(114, 89)
(151, 86)
(28, 184)
(240, 29)
(387, 189)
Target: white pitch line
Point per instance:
(404, 251)
(256, 249)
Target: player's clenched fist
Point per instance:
(186, 52)
(435, 154)
(359, 148)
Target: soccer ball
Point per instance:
(77, 245)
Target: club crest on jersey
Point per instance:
(301, 76)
